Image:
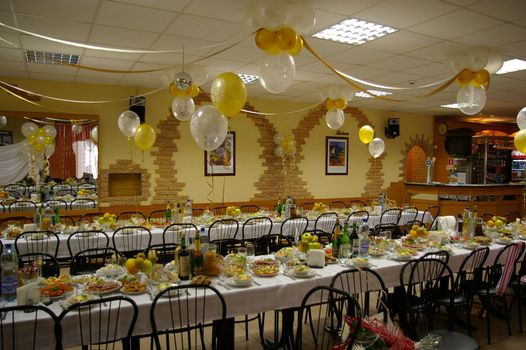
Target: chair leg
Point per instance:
(519, 306)
(246, 327)
(488, 329)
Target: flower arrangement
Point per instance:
(375, 335)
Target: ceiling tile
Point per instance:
(359, 55)
(494, 37)
(12, 55)
(402, 14)
(133, 17)
(106, 63)
(52, 77)
(170, 5)
(455, 24)
(227, 10)
(400, 63)
(61, 29)
(508, 10)
(401, 42)
(10, 40)
(83, 11)
(438, 52)
(203, 28)
(51, 69)
(32, 43)
(116, 37)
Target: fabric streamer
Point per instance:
(509, 268)
(14, 162)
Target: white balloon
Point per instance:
(198, 73)
(208, 127)
(252, 20)
(334, 92)
(272, 13)
(456, 62)
(94, 134)
(76, 129)
(376, 147)
(521, 118)
(41, 139)
(301, 17)
(495, 62)
(335, 118)
(183, 107)
(278, 138)
(346, 93)
(278, 151)
(128, 122)
(3, 121)
(28, 128)
(471, 99)
(50, 131)
(277, 72)
(476, 59)
(50, 149)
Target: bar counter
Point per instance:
(497, 199)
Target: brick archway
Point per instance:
(419, 140)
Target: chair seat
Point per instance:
(485, 291)
(454, 340)
(458, 299)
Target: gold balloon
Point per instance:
(265, 38)
(481, 77)
(465, 77)
(38, 147)
(329, 104)
(32, 137)
(193, 91)
(48, 140)
(41, 132)
(520, 141)
(144, 137)
(366, 134)
(273, 50)
(228, 93)
(297, 48)
(175, 91)
(286, 38)
(340, 104)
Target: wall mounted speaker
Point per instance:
(138, 105)
(392, 129)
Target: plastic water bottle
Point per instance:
(9, 265)
(364, 239)
(288, 206)
(188, 209)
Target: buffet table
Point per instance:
(266, 293)
(497, 199)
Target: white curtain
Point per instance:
(14, 163)
(86, 156)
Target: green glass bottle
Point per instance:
(184, 261)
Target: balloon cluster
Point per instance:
(39, 141)
(336, 98)
(130, 125)
(279, 28)
(376, 144)
(185, 87)
(520, 137)
(475, 67)
(286, 150)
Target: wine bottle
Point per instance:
(184, 261)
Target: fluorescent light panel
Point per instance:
(42, 57)
(248, 78)
(374, 92)
(512, 66)
(354, 31)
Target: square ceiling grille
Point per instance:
(42, 57)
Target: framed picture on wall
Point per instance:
(336, 155)
(6, 137)
(222, 161)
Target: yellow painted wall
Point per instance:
(189, 159)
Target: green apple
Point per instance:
(314, 245)
(306, 237)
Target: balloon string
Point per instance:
(210, 182)
(223, 195)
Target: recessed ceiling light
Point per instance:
(512, 66)
(42, 57)
(248, 79)
(354, 31)
(373, 92)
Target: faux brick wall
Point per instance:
(425, 144)
(119, 167)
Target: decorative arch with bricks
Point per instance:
(418, 140)
(123, 166)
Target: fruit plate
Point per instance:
(111, 271)
(103, 288)
(134, 287)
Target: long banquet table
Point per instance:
(157, 232)
(268, 293)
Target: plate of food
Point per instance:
(377, 252)
(79, 298)
(104, 287)
(403, 254)
(240, 280)
(56, 290)
(111, 271)
(329, 259)
(504, 240)
(471, 245)
(161, 287)
(285, 254)
(160, 274)
(38, 236)
(265, 270)
(133, 287)
(302, 271)
(265, 262)
(484, 240)
(201, 280)
(357, 262)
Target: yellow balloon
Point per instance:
(144, 137)
(175, 91)
(465, 77)
(265, 38)
(48, 140)
(297, 48)
(286, 38)
(481, 77)
(329, 104)
(228, 93)
(520, 140)
(366, 134)
(340, 104)
(194, 91)
(41, 132)
(38, 147)
(32, 137)
(273, 50)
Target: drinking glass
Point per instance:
(242, 251)
(251, 253)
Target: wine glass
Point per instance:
(250, 251)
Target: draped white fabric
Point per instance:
(86, 155)
(14, 163)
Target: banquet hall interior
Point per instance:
(140, 106)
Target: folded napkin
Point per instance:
(446, 223)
